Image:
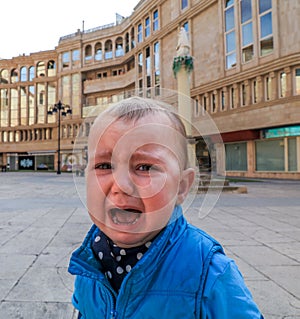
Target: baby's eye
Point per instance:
(145, 167)
(103, 166)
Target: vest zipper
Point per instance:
(113, 314)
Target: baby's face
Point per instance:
(135, 178)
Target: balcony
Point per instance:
(109, 83)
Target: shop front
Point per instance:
(270, 153)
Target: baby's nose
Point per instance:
(122, 182)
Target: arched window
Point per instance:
(88, 53)
(119, 47)
(4, 78)
(98, 51)
(23, 73)
(41, 69)
(51, 68)
(31, 73)
(108, 49)
(14, 76)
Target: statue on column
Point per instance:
(183, 46)
(183, 57)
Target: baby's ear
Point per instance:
(187, 179)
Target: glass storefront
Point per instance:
(269, 155)
(236, 156)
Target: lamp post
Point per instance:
(62, 110)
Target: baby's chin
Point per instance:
(126, 239)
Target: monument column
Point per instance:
(182, 67)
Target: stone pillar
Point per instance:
(251, 157)
(289, 81)
(260, 89)
(274, 85)
(248, 93)
(182, 67)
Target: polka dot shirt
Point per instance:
(117, 262)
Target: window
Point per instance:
(108, 50)
(75, 55)
(14, 76)
(51, 68)
(140, 33)
(148, 67)
(41, 103)
(31, 73)
(247, 30)
(270, 155)
(204, 102)
(14, 109)
(254, 91)
(155, 20)
(232, 97)
(157, 64)
(223, 103)
(32, 105)
(66, 60)
(127, 43)
(4, 78)
(3, 107)
(23, 73)
(132, 38)
(119, 47)
(243, 94)
(140, 58)
(98, 51)
(51, 96)
(196, 110)
(236, 157)
(184, 4)
(292, 154)
(147, 27)
(88, 53)
(266, 29)
(213, 102)
(230, 44)
(40, 69)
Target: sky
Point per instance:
(32, 26)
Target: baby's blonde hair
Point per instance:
(135, 108)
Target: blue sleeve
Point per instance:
(225, 294)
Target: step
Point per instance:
(226, 188)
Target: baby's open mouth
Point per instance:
(124, 216)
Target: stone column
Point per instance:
(182, 67)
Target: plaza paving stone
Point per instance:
(43, 219)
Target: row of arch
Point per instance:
(68, 131)
(110, 48)
(25, 73)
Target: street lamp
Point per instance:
(62, 110)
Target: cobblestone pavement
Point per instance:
(42, 220)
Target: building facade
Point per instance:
(246, 78)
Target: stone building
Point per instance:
(246, 78)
